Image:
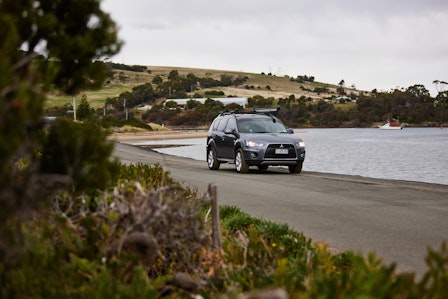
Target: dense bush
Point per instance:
(304, 112)
(214, 93)
(145, 236)
(125, 67)
(109, 123)
(150, 177)
(108, 245)
(266, 255)
(68, 151)
(186, 118)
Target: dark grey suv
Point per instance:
(255, 138)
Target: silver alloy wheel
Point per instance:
(240, 164)
(211, 158)
(238, 161)
(212, 162)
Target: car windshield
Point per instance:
(267, 125)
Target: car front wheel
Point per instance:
(240, 163)
(297, 168)
(212, 162)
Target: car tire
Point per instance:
(212, 162)
(262, 167)
(297, 168)
(240, 163)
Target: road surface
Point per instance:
(397, 220)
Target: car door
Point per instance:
(228, 140)
(218, 136)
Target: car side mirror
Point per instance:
(232, 132)
(290, 131)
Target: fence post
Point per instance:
(216, 234)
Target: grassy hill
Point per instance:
(257, 84)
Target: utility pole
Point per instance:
(74, 108)
(125, 110)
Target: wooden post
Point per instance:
(216, 234)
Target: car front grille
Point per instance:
(270, 151)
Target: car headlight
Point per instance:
(300, 144)
(250, 143)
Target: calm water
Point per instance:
(412, 154)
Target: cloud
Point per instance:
(375, 44)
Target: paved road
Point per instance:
(397, 220)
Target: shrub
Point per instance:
(150, 177)
(145, 228)
(109, 245)
(108, 123)
(214, 93)
(186, 118)
(80, 152)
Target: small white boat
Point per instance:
(392, 124)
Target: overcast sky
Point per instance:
(381, 44)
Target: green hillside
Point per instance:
(265, 85)
(304, 102)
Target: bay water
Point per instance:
(411, 154)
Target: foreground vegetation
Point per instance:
(146, 236)
(76, 223)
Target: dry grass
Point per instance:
(257, 84)
(96, 98)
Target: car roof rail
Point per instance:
(226, 112)
(236, 111)
(267, 111)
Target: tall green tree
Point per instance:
(173, 75)
(43, 44)
(84, 111)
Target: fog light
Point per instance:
(253, 155)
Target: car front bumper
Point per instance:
(266, 156)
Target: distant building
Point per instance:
(226, 101)
(344, 98)
(144, 107)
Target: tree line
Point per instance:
(413, 105)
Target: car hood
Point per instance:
(272, 137)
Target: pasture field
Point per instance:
(256, 84)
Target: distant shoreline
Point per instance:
(184, 134)
(156, 135)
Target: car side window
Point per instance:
(231, 124)
(222, 124)
(216, 123)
